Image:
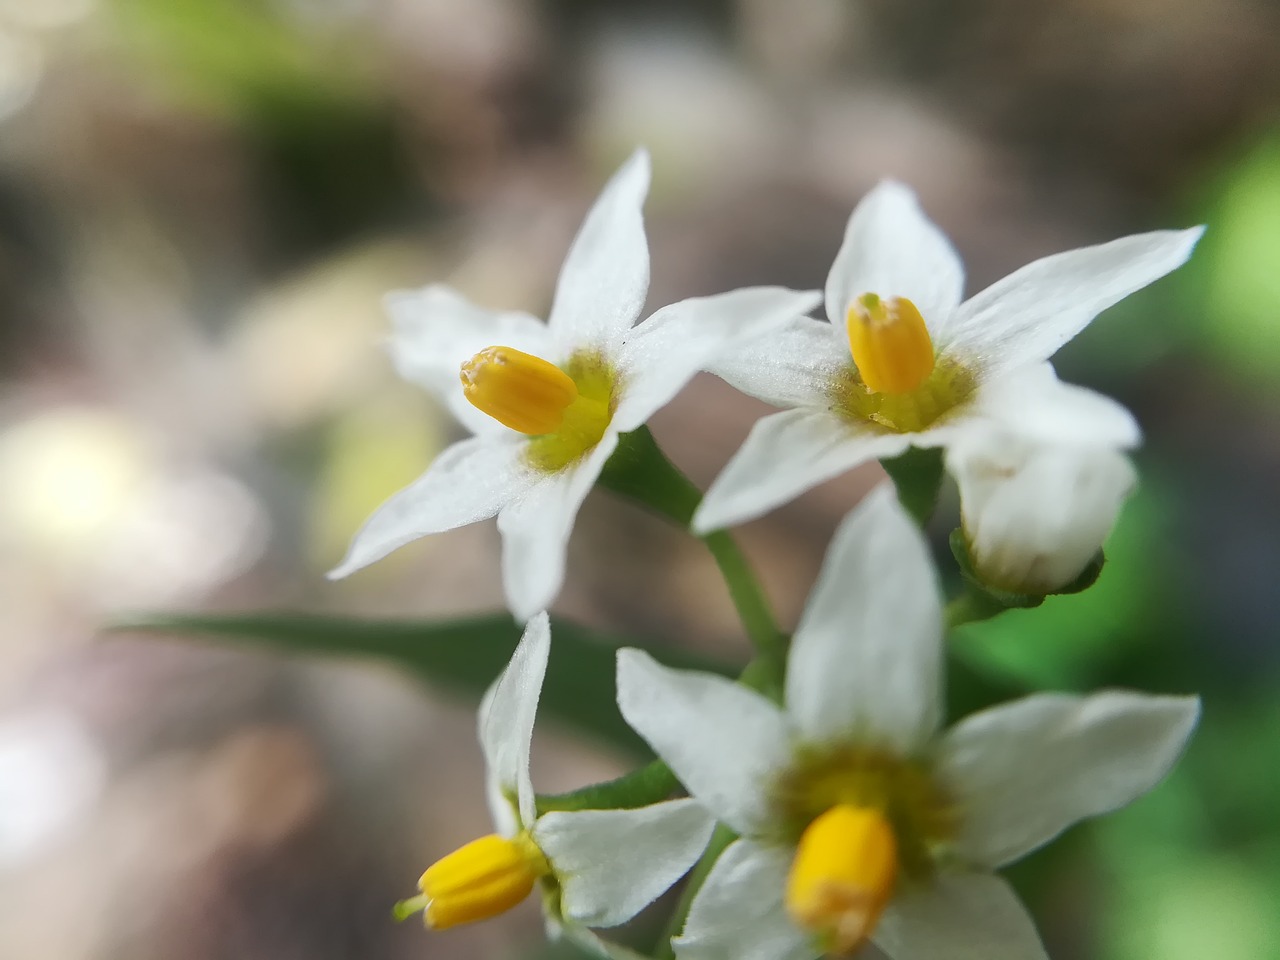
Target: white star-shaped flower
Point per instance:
(597, 868)
(547, 401)
(859, 820)
(904, 363)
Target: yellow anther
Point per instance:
(842, 876)
(890, 343)
(481, 880)
(517, 389)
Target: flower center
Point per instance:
(895, 381)
(842, 876)
(480, 880)
(890, 344)
(565, 410)
(920, 814)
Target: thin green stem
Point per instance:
(721, 837)
(971, 607)
(640, 470)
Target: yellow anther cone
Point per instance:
(843, 876)
(481, 880)
(519, 390)
(890, 343)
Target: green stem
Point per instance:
(640, 470)
(720, 840)
(970, 607)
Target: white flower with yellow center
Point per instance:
(547, 401)
(597, 868)
(1035, 514)
(904, 363)
(859, 821)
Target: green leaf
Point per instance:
(460, 655)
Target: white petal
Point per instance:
(594, 945)
(1036, 514)
(867, 656)
(507, 713)
(611, 864)
(1030, 314)
(1033, 402)
(1024, 772)
(892, 249)
(967, 916)
(605, 276)
(535, 531)
(784, 455)
(793, 366)
(471, 480)
(662, 354)
(739, 914)
(437, 329)
(723, 741)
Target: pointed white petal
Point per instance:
(437, 329)
(611, 864)
(507, 713)
(967, 916)
(662, 354)
(892, 249)
(723, 741)
(784, 455)
(471, 480)
(1033, 402)
(739, 911)
(1026, 771)
(867, 655)
(535, 531)
(793, 366)
(605, 276)
(1030, 314)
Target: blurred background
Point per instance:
(201, 204)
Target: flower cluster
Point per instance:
(824, 804)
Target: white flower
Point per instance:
(857, 817)
(597, 868)
(904, 363)
(1035, 514)
(547, 402)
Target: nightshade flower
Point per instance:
(1034, 515)
(547, 402)
(858, 819)
(596, 868)
(904, 363)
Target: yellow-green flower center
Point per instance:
(918, 811)
(565, 410)
(895, 379)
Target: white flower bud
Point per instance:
(1035, 514)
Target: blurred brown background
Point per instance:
(201, 204)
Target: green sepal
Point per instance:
(462, 655)
(652, 783)
(917, 475)
(1004, 599)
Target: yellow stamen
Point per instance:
(843, 875)
(480, 880)
(890, 343)
(519, 390)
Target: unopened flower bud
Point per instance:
(1035, 514)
